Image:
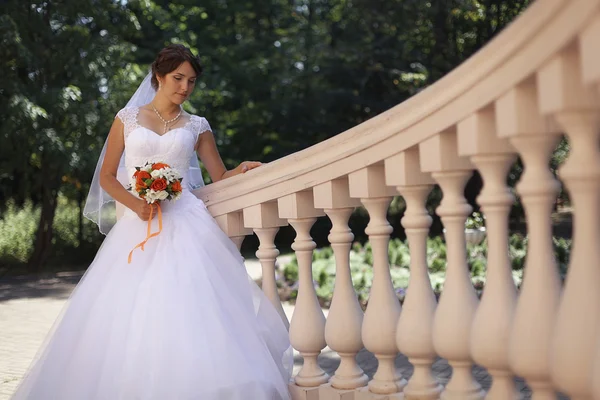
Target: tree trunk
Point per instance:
(43, 236)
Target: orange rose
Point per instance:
(159, 165)
(140, 177)
(159, 184)
(176, 186)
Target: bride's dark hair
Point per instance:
(170, 58)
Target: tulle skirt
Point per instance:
(182, 321)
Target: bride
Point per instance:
(176, 316)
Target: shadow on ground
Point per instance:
(54, 285)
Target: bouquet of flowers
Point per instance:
(157, 181)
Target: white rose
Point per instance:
(156, 173)
(151, 196)
(162, 195)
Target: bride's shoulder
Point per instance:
(128, 114)
(199, 124)
(194, 117)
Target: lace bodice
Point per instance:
(176, 147)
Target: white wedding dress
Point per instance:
(182, 321)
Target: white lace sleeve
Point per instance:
(199, 125)
(128, 116)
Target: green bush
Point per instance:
(18, 227)
(361, 261)
(67, 247)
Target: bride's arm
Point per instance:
(206, 148)
(108, 173)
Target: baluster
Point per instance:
(383, 309)
(534, 137)
(344, 321)
(307, 328)
(589, 48)
(596, 372)
(590, 59)
(493, 319)
(414, 334)
(233, 226)
(577, 109)
(458, 302)
(264, 219)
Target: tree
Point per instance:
(280, 76)
(58, 58)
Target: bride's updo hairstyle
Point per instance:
(170, 58)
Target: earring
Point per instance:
(159, 85)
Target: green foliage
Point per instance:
(517, 250)
(279, 76)
(16, 232)
(71, 246)
(436, 254)
(57, 60)
(475, 221)
(562, 251)
(324, 269)
(18, 226)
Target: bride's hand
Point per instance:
(247, 166)
(143, 210)
(241, 169)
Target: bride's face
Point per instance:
(177, 85)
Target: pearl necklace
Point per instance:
(169, 122)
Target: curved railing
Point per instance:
(538, 79)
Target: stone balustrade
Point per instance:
(536, 81)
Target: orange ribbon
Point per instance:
(149, 235)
